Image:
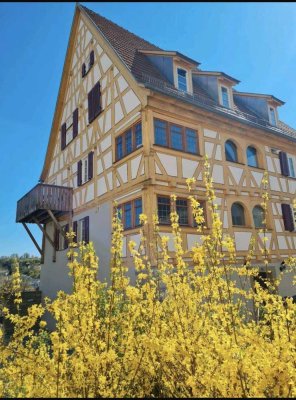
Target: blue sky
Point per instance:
(253, 42)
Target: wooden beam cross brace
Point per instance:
(33, 239)
(57, 225)
(44, 232)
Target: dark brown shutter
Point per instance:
(284, 163)
(288, 217)
(63, 136)
(86, 229)
(75, 231)
(66, 230)
(90, 165)
(90, 106)
(91, 58)
(79, 173)
(83, 70)
(96, 99)
(56, 239)
(75, 123)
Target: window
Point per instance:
(231, 151)
(182, 211)
(291, 167)
(86, 66)
(85, 169)
(238, 214)
(129, 141)
(81, 230)
(61, 243)
(252, 157)
(164, 209)
(288, 217)
(258, 216)
(175, 136)
(130, 213)
(182, 80)
(69, 130)
(272, 117)
(94, 102)
(225, 96)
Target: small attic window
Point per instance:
(225, 97)
(182, 79)
(272, 117)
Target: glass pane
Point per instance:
(182, 84)
(164, 209)
(252, 157)
(176, 137)
(191, 141)
(291, 167)
(272, 116)
(182, 211)
(258, 216)
(119, 148)
(138, 135)
(127, 216)
(225, 100)
(138, 211)
(230, 151)
(238, 214)
(128, 142)
(160, 132)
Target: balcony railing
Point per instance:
(199, 99)
(43, 197)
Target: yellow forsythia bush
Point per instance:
(195, 329)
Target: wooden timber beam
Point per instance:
(33, 239)
(44, 232)
(57, 225)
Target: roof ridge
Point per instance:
(89, 11)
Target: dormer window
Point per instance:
(182, 79)
(272, 117)
(225, 97)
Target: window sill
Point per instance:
(127, 155)
(261, 169)
(177, 150)
(235, 162)
(84, 183)
(82, 77)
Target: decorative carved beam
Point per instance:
(32, 237)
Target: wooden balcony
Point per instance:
(35, 204)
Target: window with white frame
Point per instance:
(225, 97)
(182, 79)
(272, 117)
(84, 170)
(291, 167)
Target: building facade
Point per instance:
(132, 123)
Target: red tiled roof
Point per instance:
(126, 44)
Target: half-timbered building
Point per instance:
(132, 122)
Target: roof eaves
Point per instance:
(221, 113)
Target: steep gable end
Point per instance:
(120, 95)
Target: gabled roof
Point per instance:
(264, 96)
(126, 45)
(216, 73)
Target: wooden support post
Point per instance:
(43, 248)
(32, 238)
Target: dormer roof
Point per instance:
(268, 97)
(218, 74)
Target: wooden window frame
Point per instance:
(168, 126)
(132, 128)
(88, 65)
(173, 207)
(133, 213)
